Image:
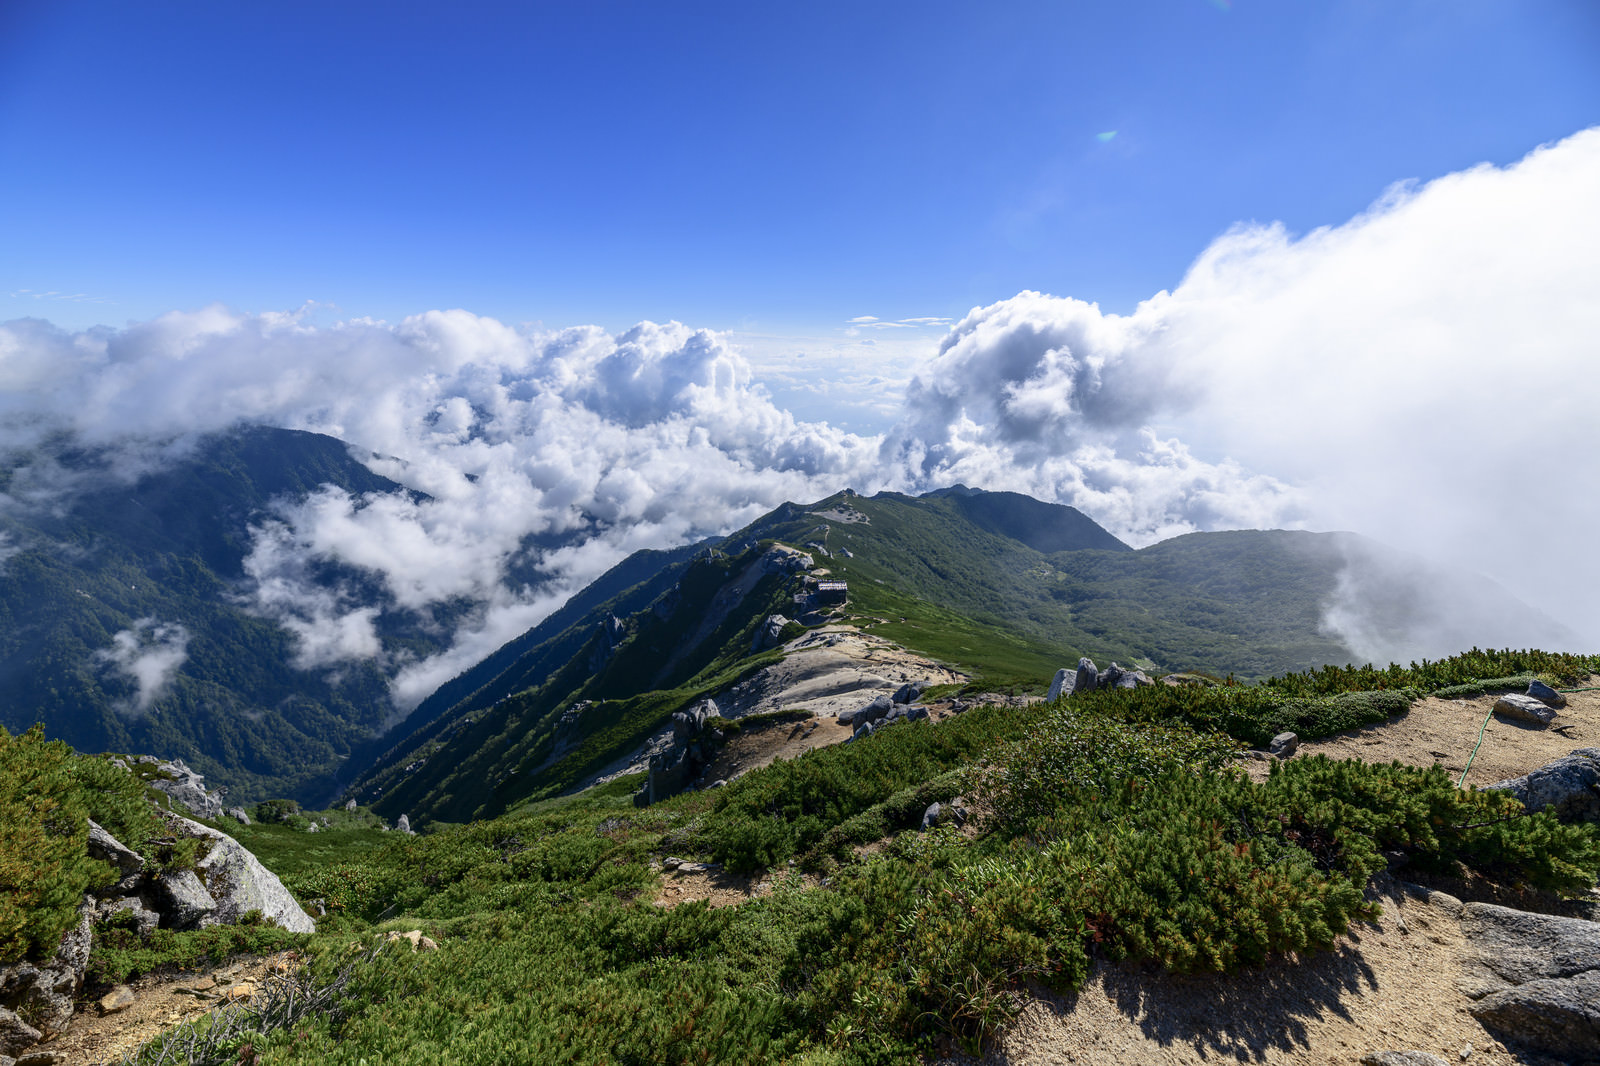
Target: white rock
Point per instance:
(238, 883)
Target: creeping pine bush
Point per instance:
(787, 808)
(47, 795)
(1333, 698)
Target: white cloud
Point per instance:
(1422, 373)
(149, 656)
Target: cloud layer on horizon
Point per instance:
(1422, 373)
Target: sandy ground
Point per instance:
(161, 1001)
(826, 670)
(1387, 986)
(1444, 732)
(831, 669)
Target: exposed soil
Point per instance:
(1387, 986)
(1445, 731)
(161, 1002)
(831, 669)
(827, 670)
(760, 745)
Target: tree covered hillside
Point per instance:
(124, 625)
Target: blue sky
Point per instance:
(638, 273)
(774, 169)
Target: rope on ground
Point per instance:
(1461, 783)
(1485, 725)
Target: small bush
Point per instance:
(271, 812)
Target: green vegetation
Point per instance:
(1102, 831)
(120, 954)
(48, 793)
(617, 689)
(1005, 588)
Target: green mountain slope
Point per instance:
(1248, 603)
(160, 558)
(954, 575)
(590, 692)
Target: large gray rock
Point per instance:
(769, 633)
(1284, 745)
(128, 863)
(1523, 709)
(1513, 947)
(1061, 684)
(187, 788)
(669, 773)
(239, 815)
(686, 725)
(1088, 676)
(238, 883)
(1570, 786)
(781, 560)
(872, 712)
(1535, 977)
(42, 993)
(16, 1035)
(908, 692)
(1544, 693)
(145, 920)
(183, 900)
(1560, 1017)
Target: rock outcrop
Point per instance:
(1570, 786)
(238, 883)
(673, 768)
(1087, 679)
(37, 997)
(769, 634)
(185, 786)
(1545, 694)
(1535, 978)
(868, 714)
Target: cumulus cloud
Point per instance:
(1420, 373)
(148, 656)
(516, 443)
(1423, 373)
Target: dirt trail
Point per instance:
(161, 1002)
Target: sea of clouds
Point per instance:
(1427, 373)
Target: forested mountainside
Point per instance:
(124, 625)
